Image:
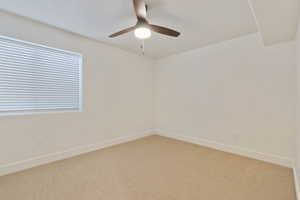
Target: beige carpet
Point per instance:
(153, 168)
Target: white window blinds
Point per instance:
(36, 78)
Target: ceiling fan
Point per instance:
(143, 28)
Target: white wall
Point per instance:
(117, 97)
(297, 139)
(236, 93)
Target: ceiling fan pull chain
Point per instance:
(143, 47)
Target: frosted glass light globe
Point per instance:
(142, 33)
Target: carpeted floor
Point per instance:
(153, 168)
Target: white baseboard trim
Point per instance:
(296, 182)
(44, 159)
(274, 159)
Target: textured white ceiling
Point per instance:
(276, 19)
(201, 22)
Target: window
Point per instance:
(38, 79)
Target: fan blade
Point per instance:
(127, 30)
(163, 30)
(140, 9)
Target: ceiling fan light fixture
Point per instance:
(142, 33)
(142, 29)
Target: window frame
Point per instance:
(49, 111)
